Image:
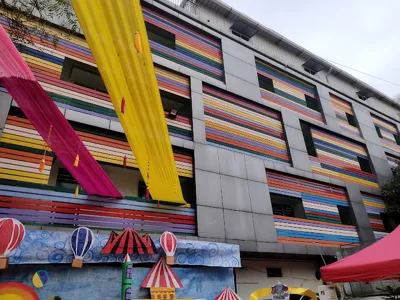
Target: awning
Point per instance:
(49, 122)
(380, 261)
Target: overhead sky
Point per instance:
(361, 34)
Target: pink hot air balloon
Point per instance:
(168, 243)
(12, 233)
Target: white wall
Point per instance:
(126, 180)
(253, 275)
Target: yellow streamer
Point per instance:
(262, 293)
(117, 37)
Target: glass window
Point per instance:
(345, 215)
(160, 36)
(351, 119)
(266, 83)
(364, 165)
(378, 131)
(287, 206)
(306, 129)
(274, 272)
(312, 103)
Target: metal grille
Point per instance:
(188, 5)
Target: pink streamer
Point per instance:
(40, 109)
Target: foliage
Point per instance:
(392, 293)
(391, 191)
(21, 12)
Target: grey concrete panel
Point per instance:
(382, 168)
(265, 228)
(175, 141)
(370, 135)
(313, 250)
(255, 169)
(197, 106)
(5, 104)
(206, 158)
(300, 159)
(327, 108)
(62, 110)
(210, 222)
(87, 119)
(188, 144)
(294, 171)
(366, 234)
(295, 138)
(329, 251)
(199, 131)
(323, 92)
(360, 214)
(208, 188)
(231, 163)
(353, 192)
(269, 247)
(291, 119)
(235, 49)
(363, 117)
(337, 182)
(166, 63)
(116, 126)
(294, 249)
(332, 124)
(243, 88)
(235, 193)
(196, 85)
(260, 198)
(245, 246)
(375, 150)
(321, 178)
(268, 164)
(240, 69)
(239, 225)
(279, 167)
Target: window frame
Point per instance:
(312, 103)
(274, 272)
(342, 208)
(308, 139)
(378, 131)
(364, 163)
(164, 37)
(269, 83)
(296, 204)
(351, 119)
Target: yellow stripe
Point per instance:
(41, 62)
(202, 53)
(374, 204)
(25, 179)
(346, 177)
(23, 174)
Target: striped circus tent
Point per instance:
(127, 242)
(161, 276)
(227, 294)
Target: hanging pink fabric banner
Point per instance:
(40, 109)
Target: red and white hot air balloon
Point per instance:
(12, 233)
(169, 242)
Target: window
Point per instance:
(274, 272)
(387, 222)
(82, 74)
(351, 119)
(312, 103)
(345, 215)
(160, 36)
(171, 101)
(312, 72)
(266, 83)
(378, 131)
(65, 179)
(142, 190)
(397, 138)
(305, 128)
(287, 206)
(242, 36)
(364, 165)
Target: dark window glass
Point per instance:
(345, 215)
(65, 179)
(378, 131)
(274, 272)
(312, 103)
(351, 119)
(142, 190)
(364, 165)
(387, 222)
(266, 83)
(287, 206)
(160, 36)
(397, 138)
(312, 72)
(305, 128)
(242, 36)
(171, 101)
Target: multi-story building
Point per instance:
(278, 151)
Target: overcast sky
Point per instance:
(361, 34)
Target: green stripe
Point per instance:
(203, 59)
(323, 219)
(320, 147)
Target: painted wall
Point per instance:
(289, 91)
(103, 282)
(243, 126)
(341, 107)
(253, 275)
(322, 225)
(374, 206)
(388, 130)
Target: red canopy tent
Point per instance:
(380, 261)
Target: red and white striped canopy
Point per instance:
(161, 275)
(227, 294)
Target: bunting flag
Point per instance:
(116, 34)
(41, 111)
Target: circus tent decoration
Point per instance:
(148, 240)
(12, 233)
(123, 57)
(44, 115)
(227, 294)
(162, 281)
(127, 242)
(169, 242)
(126, 289)
(81, 241)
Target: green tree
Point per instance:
(392, 293)
(391, 191)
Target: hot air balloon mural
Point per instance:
(169, 242)
(81, 240)
(12, 233)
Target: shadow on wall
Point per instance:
(103, 282)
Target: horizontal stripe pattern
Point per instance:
(289, 91)
(193, 49)
(49, 206)
(388, 130)
(237, 124)
(322, 225)
(341, 107)
(374, 206)
(393, 160)
(337, 158)
(46, 62)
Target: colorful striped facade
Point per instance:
(341, 107)
(337, 158)
(193, 49)
(289, 91)
(322, 225)
(393, 160)
(243, 126)
(375, 206)
(388, 130)
(47, 62)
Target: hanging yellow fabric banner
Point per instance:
(116, 34)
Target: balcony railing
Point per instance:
(188, 5)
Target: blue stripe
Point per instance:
(318, 236)
(325, 166)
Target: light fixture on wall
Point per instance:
(173, 112)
